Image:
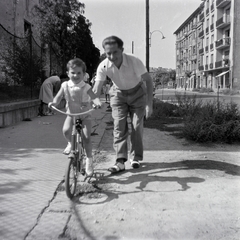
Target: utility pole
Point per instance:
(132, 47)
(147, 35)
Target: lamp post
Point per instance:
(149, 42)
(150, 36)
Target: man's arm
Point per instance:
(147, 78)
(97, 88)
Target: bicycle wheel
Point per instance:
(71, 178)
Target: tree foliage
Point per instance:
(21, 66)
(61, 24)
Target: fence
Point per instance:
(23, 66)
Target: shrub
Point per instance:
(213, 122)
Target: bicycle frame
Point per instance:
(76, 154)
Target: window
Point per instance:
(212, 38)
(27, 27)
(212, 18)
(206, 59)
(207, 41)
(211, 58)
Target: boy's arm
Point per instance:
(57, 98)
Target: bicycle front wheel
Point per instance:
(71, 178)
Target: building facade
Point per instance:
(207, 47)
(16, 16)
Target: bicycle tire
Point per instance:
(71, 178)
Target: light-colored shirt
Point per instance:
(76, 96)
(127, 76)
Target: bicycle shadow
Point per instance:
(152, 172)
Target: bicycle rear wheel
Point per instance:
(71, 178)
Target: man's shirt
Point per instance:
(127, 76)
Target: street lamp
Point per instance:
(149, 45)
(150, 35)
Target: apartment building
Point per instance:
(16, 15)
(207, 47)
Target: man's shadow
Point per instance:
(152, 172)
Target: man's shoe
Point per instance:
(117, 167)
(134, 163)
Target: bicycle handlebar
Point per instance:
(73, 114)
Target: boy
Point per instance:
(77, 94)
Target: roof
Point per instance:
(190, 18)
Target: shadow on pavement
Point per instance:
(151, 172)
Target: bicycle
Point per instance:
(77, 154)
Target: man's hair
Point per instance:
(112, 40)
(77, 62)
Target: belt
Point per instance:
(131, 90)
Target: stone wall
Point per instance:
(12, 113)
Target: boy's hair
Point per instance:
(112, 40)
(77, 62)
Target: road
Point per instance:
(170, 95)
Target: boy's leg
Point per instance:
(87, 128)
(67, 132)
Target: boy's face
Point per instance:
(76, 74)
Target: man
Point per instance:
(129, 95)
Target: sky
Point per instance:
(127, 20)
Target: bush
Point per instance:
(213, 122)
(203, 122)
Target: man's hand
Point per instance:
(97, 102)
(149, 110)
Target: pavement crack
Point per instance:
(44, 209)
(63, 234)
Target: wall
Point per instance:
(12, 113)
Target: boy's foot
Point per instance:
(134, 163)
(67, 150)
(89, 167)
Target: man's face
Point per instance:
(114, 54)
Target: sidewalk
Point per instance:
(182, 191)
(32, 168)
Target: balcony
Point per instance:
(194, 25)
(201, 51)
(223, 43)
(207, 11)
(201, 34)
(194, 57)
(201, 18)
(206, 49)
(222, 3)
(206, 66)
(211, 46)
(212, 7)
(211, 65)
(223, 21)
(218, 64)
(201, 68)
(212, 27)
(225, 63)
(194, 42)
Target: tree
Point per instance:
(62, 25)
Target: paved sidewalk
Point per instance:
(32, 168)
